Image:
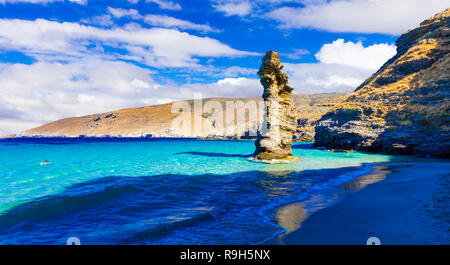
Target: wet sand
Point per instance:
(399, 204)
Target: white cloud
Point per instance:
(235, 71)
(355, 54)
(227, 87)
(137, 83)
(171, 22)
(11, 126)
(232, 81)
(342, 66)
(122, 12)
(43, 92)
(165, 4)
(363, 16)
(296, 54)
(311, 78)
(159, 20)
(233, 7)
(133, 1)
(81, 2)
(102, 20)
(49, 40)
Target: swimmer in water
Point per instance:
(45, 163)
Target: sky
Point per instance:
(65, 58)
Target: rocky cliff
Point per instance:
(404, 106)
(275, 138)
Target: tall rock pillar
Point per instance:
(275, 137)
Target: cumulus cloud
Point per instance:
(233, 7)
(45, 91)
(164, 4)
(159, 20)
(363, 16)
(171, 22)
(156, 47)
(227, 87)
(355, 54)
(102, 20)
(122, 12)
(342, 66)
(311, 78)
(235, 71)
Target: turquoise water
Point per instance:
(157, 191)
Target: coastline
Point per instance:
(137, 138)
(391, 203)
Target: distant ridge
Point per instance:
(156, 121)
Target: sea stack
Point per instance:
(275, 137)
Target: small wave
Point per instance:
(162, 229)
(266, 211)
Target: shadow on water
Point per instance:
(303, 146)
(212, 154)
(166, 209)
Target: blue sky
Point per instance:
(62, 58)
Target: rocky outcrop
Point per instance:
(308, 115)
(275, 137)
(404, 107)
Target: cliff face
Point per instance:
(404, 107)
(275, 139)
(309, 111)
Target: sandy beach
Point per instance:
(399, 204)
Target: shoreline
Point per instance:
(398, 203)
(18, 138)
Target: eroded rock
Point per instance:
(275, 139)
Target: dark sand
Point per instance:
(399, 204)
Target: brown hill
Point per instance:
(404, 106)
(156, 121)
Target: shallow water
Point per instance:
(158, 191)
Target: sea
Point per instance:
(161, 191)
